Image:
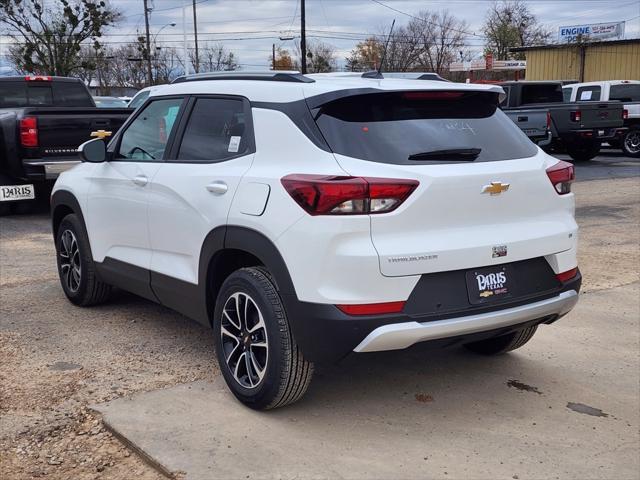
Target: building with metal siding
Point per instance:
(586, 62)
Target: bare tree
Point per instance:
(509, 24)
(442, 38)
(48, 37)
(321, 57)
(214, 57)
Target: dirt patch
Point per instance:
(424, 397)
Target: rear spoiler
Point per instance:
(405, 75)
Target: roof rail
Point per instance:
(270, 76)
(416, 76)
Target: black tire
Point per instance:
(503, 343)
(584, 152)
(631, 143)
(85, 289)
(285, 374)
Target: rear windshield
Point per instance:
(542, 93)
(629, 92)
(409, 127)
(20, 93)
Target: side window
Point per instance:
(216, 131)
(139, 99)
(566, 94)
(146, 137)
(586, 94)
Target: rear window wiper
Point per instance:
(452, 154)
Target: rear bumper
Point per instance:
(544, 141)
(403, 335)
(598, 133)
(437, 312)
(42, 169)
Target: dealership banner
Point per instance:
(591, 31)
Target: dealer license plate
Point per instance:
(16, 192)
(489, 284)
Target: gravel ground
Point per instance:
(55, 359)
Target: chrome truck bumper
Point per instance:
(402, 335)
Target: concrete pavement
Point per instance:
(564, 406)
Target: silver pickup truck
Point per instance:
(534, 122)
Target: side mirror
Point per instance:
(94, 151)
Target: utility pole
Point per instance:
(273, 56)
(184, 38)
(303, 38)
(195, 33)
(146, 26)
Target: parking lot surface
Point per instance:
(564, 406)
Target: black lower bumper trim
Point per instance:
(327, 335)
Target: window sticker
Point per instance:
(234, 144)
(586, 95)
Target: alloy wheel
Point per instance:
(70, 260)
(632, 142)
(244, 340)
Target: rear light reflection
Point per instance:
(372, 308)
(576, 116)
(336, 195)
(561, 176)
(568, 275)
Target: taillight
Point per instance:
(335, 195)
(568, 275)
(625, 114)
(29, 132)
(548, 120)
(372, 308)
(37, 78)
(576, 116)
(561, 175)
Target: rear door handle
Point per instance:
(140, 180)
(219, 187)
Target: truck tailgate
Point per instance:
(600, 115)
(62, 130)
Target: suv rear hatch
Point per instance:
(484, 196)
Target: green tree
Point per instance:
(48, 38)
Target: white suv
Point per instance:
(307, 217)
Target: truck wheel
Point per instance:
(631, 143)
(75, 266)
(584, 152)
(256, 351)
(503, 343)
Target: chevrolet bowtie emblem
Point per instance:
(101, 133)
(495, 188)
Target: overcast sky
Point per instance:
(249, 27)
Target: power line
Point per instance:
(422, 19)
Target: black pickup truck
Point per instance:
(579, 128)
(43, 120)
